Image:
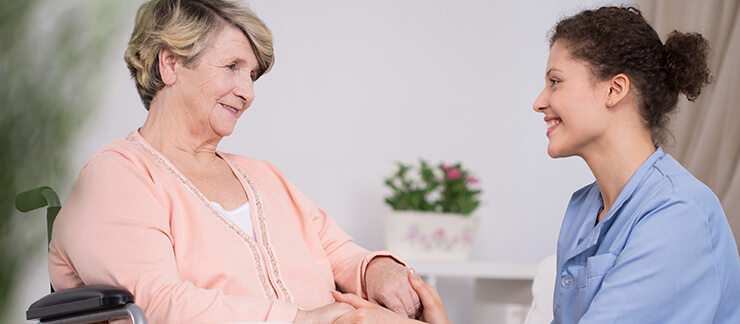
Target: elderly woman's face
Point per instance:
(217, 91)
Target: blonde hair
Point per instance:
(186, 27)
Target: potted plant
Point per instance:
(432, 217)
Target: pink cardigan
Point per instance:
(132, 220)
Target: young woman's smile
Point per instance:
(551, 123)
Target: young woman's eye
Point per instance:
(553, 82)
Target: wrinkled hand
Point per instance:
(387, 284)
(367, 312)
(324, 314)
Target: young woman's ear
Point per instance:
(167, 66)
(618, 89)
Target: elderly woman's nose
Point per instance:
(245, 90)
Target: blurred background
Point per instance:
(357, 85)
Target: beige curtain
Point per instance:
(707, 132)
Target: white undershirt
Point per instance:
(240, 217)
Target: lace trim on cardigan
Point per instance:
(287, 296)
(258, 201)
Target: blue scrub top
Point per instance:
(664, 253)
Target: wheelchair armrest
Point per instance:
(78, 300)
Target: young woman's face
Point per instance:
(573, 104)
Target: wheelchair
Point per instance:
(87, 304)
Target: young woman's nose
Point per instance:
(541, 103)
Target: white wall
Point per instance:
(360, 84)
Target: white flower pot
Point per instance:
(427, 236)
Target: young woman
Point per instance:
(647, 242)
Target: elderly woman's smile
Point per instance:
(232, 109)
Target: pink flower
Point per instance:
(453, 173)
(439, 235)
(467, 236)
(472, 179)
(412, 233)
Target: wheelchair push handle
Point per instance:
(36, 198)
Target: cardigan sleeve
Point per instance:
(114, 229)
(348, 260)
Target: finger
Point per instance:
(352, 299)
(433, 309)
(344, 319)
(403, 300)
(395, 303)
(396, 306)
(427, 294)
(417, 283)
(413, 302)
(348, 318)
(354, 317)
(415, 299)
(433, 291)
(406, 295)
(409, 305)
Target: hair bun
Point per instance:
(686, 62)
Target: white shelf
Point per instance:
(476, 270)
(499, 288)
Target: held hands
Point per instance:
(367, 312)
(324, 314)
(387, 284)
(386, 271)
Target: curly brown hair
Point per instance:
(613, 40)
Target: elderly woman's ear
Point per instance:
(167, 66)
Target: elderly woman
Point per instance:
(201, 236)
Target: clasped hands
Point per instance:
(389, 284)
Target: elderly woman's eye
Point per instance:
(231, 67)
